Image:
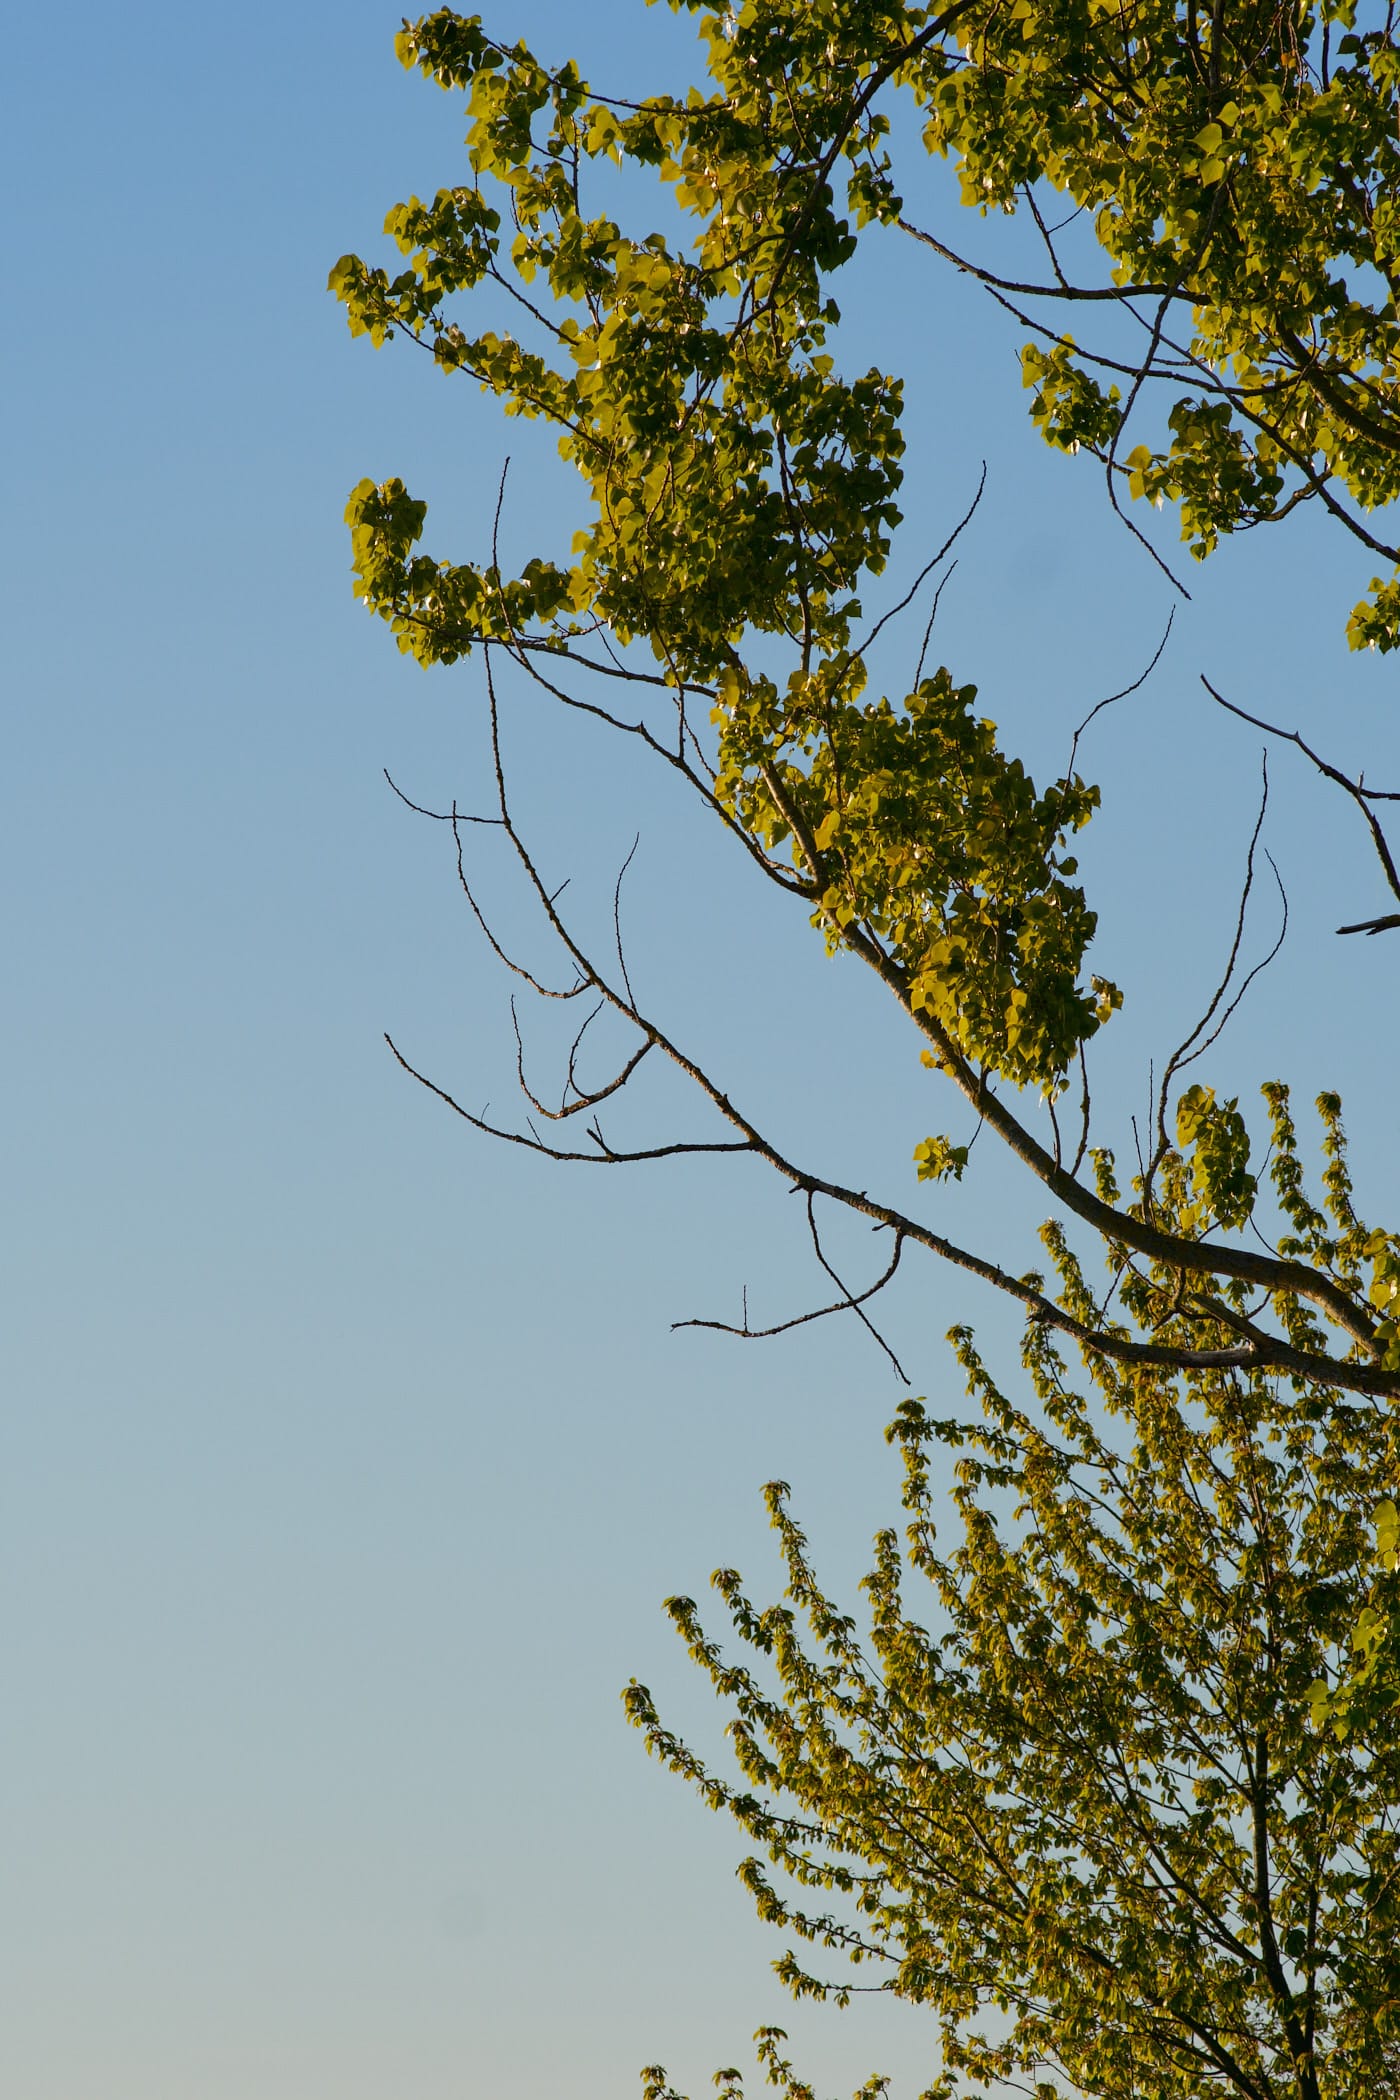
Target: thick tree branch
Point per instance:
(1192, 1257)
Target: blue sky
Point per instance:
(346, 1458)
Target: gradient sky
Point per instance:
(347, 1459)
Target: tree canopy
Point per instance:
(743, 492)
(1238, 165)
(1134, 1796)
(1085, 1820)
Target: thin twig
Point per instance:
(847, 1303)
(439, 816)
(604, 1156)
(928, 567)
(586, 1098)
(1138, 682)
(545, 991)
(1193, 1044)
(1360, 794)
(617, 914)
(932, 616)
(854, 1305)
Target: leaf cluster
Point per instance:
(917, 832)
(1366, 1694)
(1062, 1788)
(738, 484)
(739, 487)
(1239, 168)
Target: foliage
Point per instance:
(1365, 1699)
(1084, 1819)
(1134, 1797)
(1239, 167)
(742, 494)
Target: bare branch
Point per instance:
(675, 759)
(1184, 1256)
(1233, 1007)
(1127, 691)
(617, 915)
(496, 519)
(517, 969)
(1373, 925)
(439, 816)
(851, 1302)
(1112, 293)
(932, 616)
(846, 1303)
(604, 1156)
(1360, 794)
(1185, 1054)
(585, 1098)
(927, 569)
(1084, 1109)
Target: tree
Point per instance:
(743, 495)
(1086, 1819)
(742, 490)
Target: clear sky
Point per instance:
(346, 1460)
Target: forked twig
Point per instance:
(585, 1097)
(943, 581)
(848, 1302)
(927, 570)
(1360, 794)
(517, 969)
(604, 1156)
(1198, 1042)
(439, 816)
